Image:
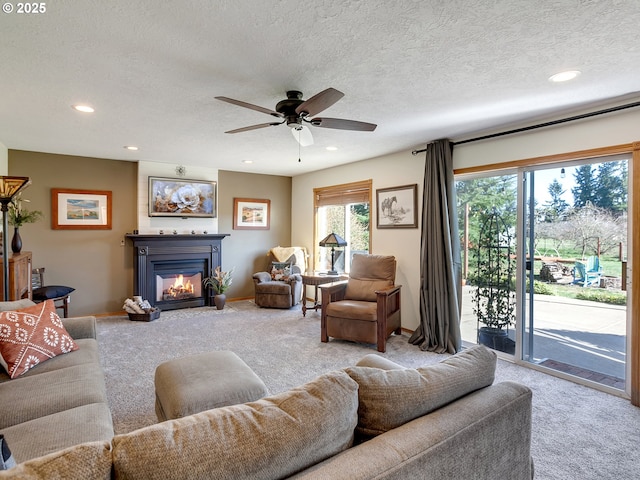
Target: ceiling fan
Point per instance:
(295, 112)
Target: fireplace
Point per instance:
(171, 287)
(169, 269)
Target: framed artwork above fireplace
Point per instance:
(173, 197)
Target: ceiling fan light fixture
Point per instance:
(302, 134)
(564, 76)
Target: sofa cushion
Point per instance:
(390, 398)
(35, 396)
(30, 336)
(16, 305)
(89, 461)
(87, 353)
(86, 423)
(274, 437)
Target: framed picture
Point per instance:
(397, 207)
(173, 197)
(251, 214)
(73, 209)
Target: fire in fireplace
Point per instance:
(183, 286)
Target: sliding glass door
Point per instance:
(573, 266)
(488, 213)
(544, 261)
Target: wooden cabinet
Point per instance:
(19, 276)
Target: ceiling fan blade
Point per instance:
(251, 106)
(342, 124)
(254, 127)
(319, 102)
(303, 135)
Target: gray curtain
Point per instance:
(440, 269)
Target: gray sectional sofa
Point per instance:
(61, 402)
(373, 420)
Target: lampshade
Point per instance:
(333, 240)
(10, 186)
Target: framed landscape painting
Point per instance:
(397, 207)
(172, 197)
(73, 209)
(251, 214)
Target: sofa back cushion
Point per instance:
(390, 398)
(87, 461)
(274, 437)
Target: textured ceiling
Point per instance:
(420, 69)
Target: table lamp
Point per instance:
(333, 240)
(9, 188)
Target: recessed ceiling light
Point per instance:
(564, 76)
(84, 108)
(247, 161)
(332, 149)
(131, 147)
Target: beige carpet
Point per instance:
(578, 433)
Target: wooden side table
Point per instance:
(19, 276)
(316, 279)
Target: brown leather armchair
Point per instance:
(278, 290)
(366, 308)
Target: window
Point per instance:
(344, 210)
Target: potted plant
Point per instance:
(219, 282)
(18, 216)
(494, 298)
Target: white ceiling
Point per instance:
(421, 70)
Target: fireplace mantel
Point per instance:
(152, 250)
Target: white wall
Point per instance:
(403, 168)
(404, 243)
(149, 225)
(4, 160)
(601, 131)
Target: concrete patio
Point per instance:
(579, 333)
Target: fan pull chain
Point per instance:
(299, 161)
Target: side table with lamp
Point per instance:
(314, 279)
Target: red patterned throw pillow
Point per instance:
(31, 336)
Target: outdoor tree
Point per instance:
(555, 208)
(483, 195)
(611, 187)
(583, 192)
(596, 230)
(359, 219)
(605, 187)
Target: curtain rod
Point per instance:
(541, 125)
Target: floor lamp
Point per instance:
(9, 187)
(333, 240)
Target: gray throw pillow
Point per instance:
(390, 398)
(6, 459)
